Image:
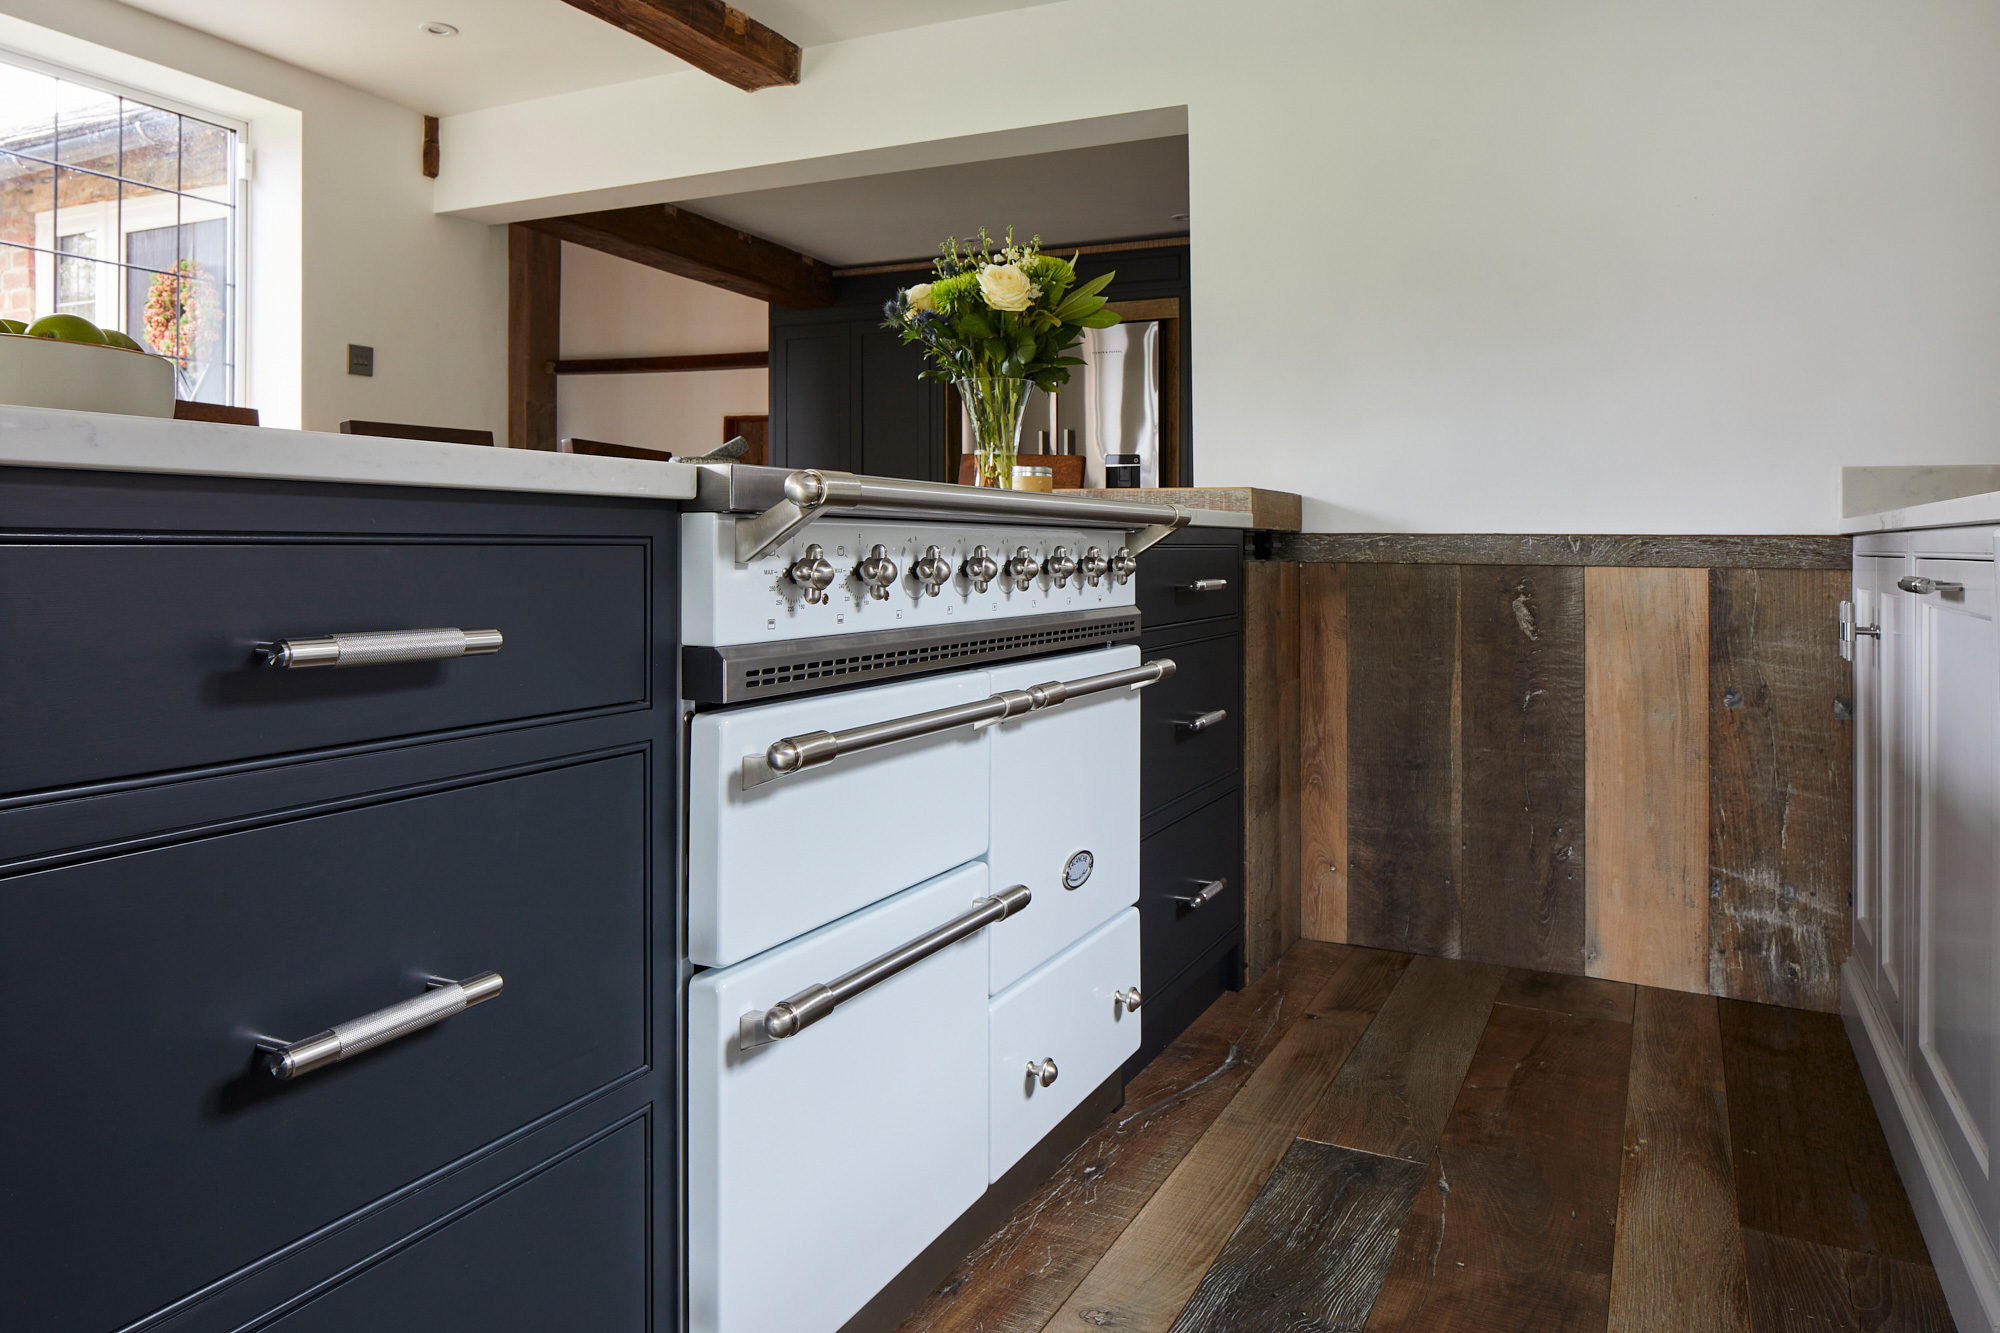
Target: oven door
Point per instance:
(1065, 810)
(819, 1165)
(787, 856)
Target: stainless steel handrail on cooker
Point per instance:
(795, 754)
(811, 493)
(789, 1017)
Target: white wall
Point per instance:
(345, 244)
(1551, 266)
(612, 307)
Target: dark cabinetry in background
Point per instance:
(845, 391)
(1191, 788)
(224, 851)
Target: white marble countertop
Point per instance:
(1896, 499)
(97, 441)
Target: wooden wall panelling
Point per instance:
(534, 331)
(1646, 776)
(1148, 1274)
(1521, 766)
(1672, 552)
(1679, 1261)
(1402, 656)
(1270, 761)
(1781, 786)
(1323, 745)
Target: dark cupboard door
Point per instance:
(812, 399)
(900, 411)
(564, 1247)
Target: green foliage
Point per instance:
(965, 336)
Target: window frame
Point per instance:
(239, 189)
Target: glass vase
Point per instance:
(995, 406)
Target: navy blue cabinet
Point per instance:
(1191, 822)
(197, 852)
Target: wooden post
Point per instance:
(534, 328)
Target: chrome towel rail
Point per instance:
(810, 493)
(795, 754)
(789, 1017)
(289, 1059)
(378, 648)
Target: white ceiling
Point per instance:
(1114, 192)
(506, 50)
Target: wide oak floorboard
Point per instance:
(1799, 1287)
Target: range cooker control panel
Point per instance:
(836, 577)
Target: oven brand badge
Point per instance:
(1076, 870)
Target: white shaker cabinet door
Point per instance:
(1956, 1060)
(820, 1165)
(1058, 1033)
(1885, 789)
(1065, 809)
(778, 859)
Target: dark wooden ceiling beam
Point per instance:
(713, 37)
(691, 246)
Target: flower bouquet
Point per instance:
(995, 321)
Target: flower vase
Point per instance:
(995, 406)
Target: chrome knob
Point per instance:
(878, 571)
(1060, 567)
(931, 570)
(812, 572)
(1042, 1071)
(1129, 998)
(980, 569)
(1093, 566)
(1023, 568)
(1123, 565)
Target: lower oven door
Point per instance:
(819, 1165)
(1065, 809)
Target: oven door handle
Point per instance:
(795, 754)
(789, 1017)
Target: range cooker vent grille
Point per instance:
(901, 660)
(761, 671)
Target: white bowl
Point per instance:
(84, 377)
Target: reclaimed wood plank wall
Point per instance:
(1595, 755)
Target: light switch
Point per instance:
(360, 360)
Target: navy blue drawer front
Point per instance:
(1179, 758)
(128, 658)
(1175, 865)
(1179, 584)
(147, 1154)
(564, 1247)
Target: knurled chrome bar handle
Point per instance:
(1210, 890)
(1208, 585)
(789, 1017)
(795, 754)
(1205, 721)
(380, 647)
(1918, 584)
(289, 1059)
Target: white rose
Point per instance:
(1006, 287)
(920, 298)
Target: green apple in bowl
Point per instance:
(113, 338)
(12, 326)
(66, 328)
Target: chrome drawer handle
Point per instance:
(795, 754)
(1043, 1071)
(1211, 889)
(789, 1017)
(376, 649)
(289, 1059)
(1131, 999)
(1205, 721)
(1208, 585)
(1922, 586)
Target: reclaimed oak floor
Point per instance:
(1366, 1140)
